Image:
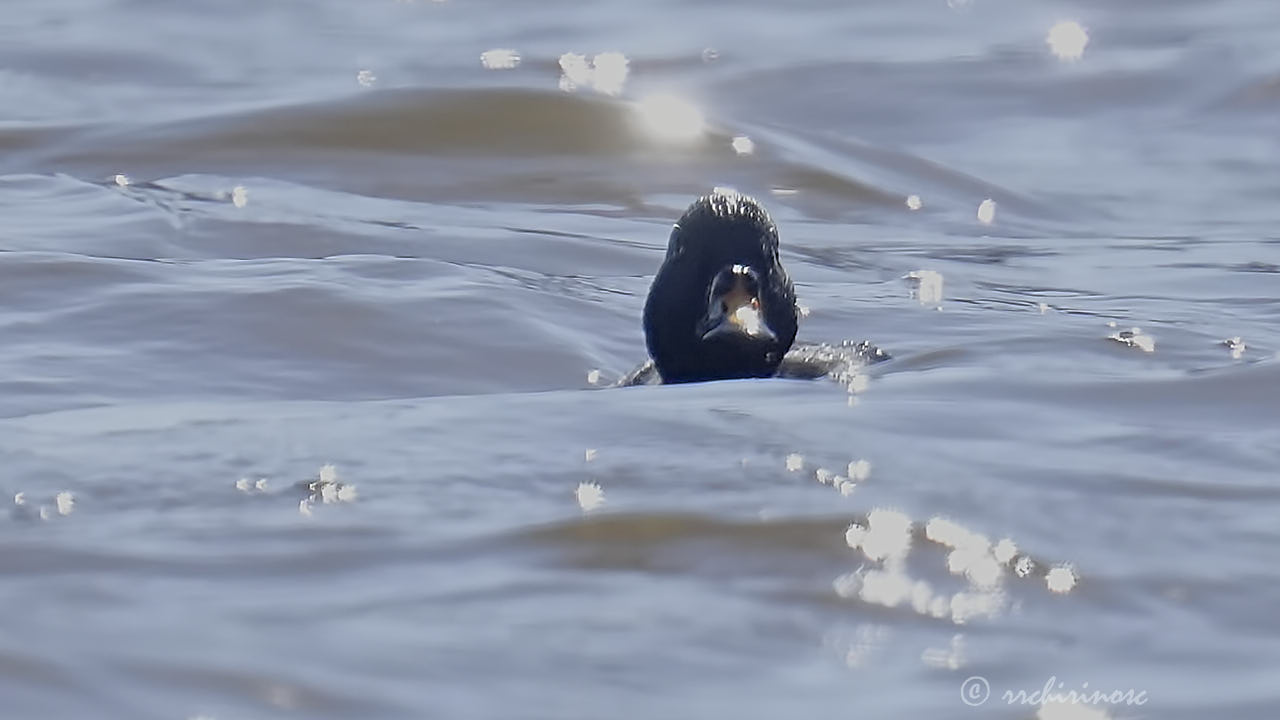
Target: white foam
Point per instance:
(1134, 337)
(1236, 346)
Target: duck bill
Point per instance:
(742, 319)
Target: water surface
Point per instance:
(239, 243)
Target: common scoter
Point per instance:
(722, 305)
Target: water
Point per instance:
(243, 242)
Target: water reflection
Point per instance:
(669, 118)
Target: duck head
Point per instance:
(721, 305)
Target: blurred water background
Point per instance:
(303, 306)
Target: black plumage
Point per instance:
(721, 305)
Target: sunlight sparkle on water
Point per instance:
(605, 73)
(500, 59)
(857, 383)
(914, 202)
(987, 211)
(946, 659)
(888, 534)
(951, 658)
(1061, 579)
(590, 496)
(611, 70)
(928, 286)
(366, 78)
(868, 641)
(1067, 39)
(968, 605)
(859, 470)
(854, 534)
(575, 71)
(888, 587)
(1004, 551)
(669, 118)
(327, 489)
